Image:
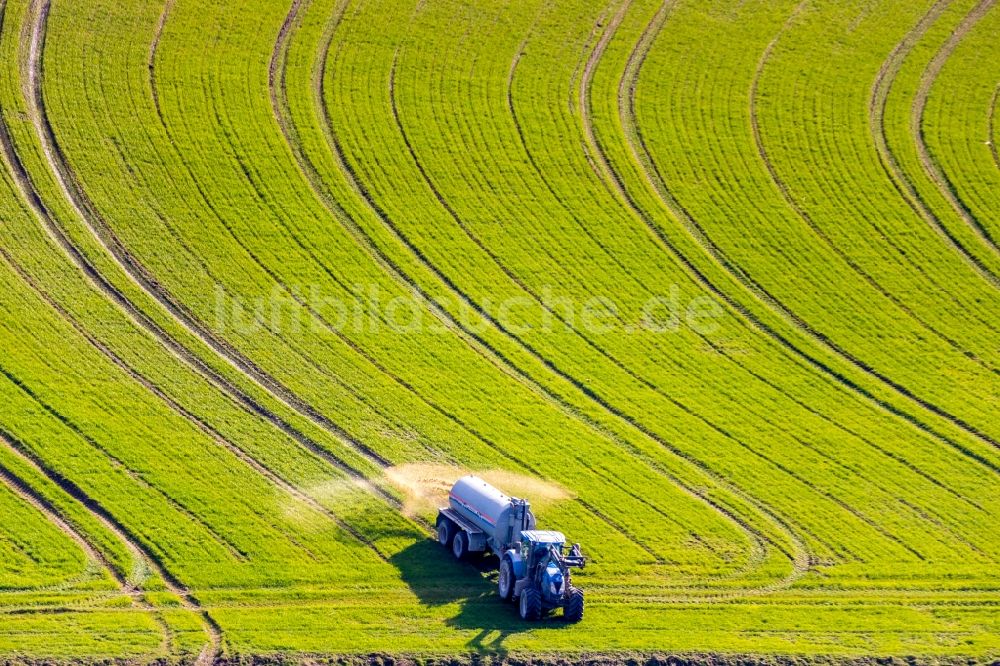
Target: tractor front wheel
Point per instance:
(531, 605)
(573, 612)
(505, 584)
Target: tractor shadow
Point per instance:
(438, 580)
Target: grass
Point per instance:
(812, 473)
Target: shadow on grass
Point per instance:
(438, 580)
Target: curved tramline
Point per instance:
(960, 142)
(862, 363)
(314, 177)
(16, 497)
(919, 107)
(277, 85)
(113, 245)
(991, 125)
(143, 319)
(711, 284)
(881, 93)
(124, 581)
(626, 98)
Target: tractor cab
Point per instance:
(535, 544)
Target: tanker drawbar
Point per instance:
(534, 569)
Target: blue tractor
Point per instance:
(535, 567)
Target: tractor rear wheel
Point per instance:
(460, 545)
(446, 531)
(505, 584)
(531, 605)
(573, 611)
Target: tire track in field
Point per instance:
(493, 355)
(161, 24)
(642, 158)
(799, 556)
(382, 463)
(878, 101)
(134, 314)
(706, 339)
(800, 563)
(274, 478)
(648, 35)
(311, 174)
(991, 124)
(213, 648)
(602, 166)
(118, 464)
(148, 285)
(31, 195)
(30, 496)
(468, 429)
(929, 515)
(23, 489)
(296, 297)
(106, 237)
(930, 165)
(888, 72)
(282, 114)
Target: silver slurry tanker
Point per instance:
(534, 569)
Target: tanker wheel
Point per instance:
(460, 545)
(531, 605)
(573, 611)
(505, 584)
(446, 531)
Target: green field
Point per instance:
(714, 283)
